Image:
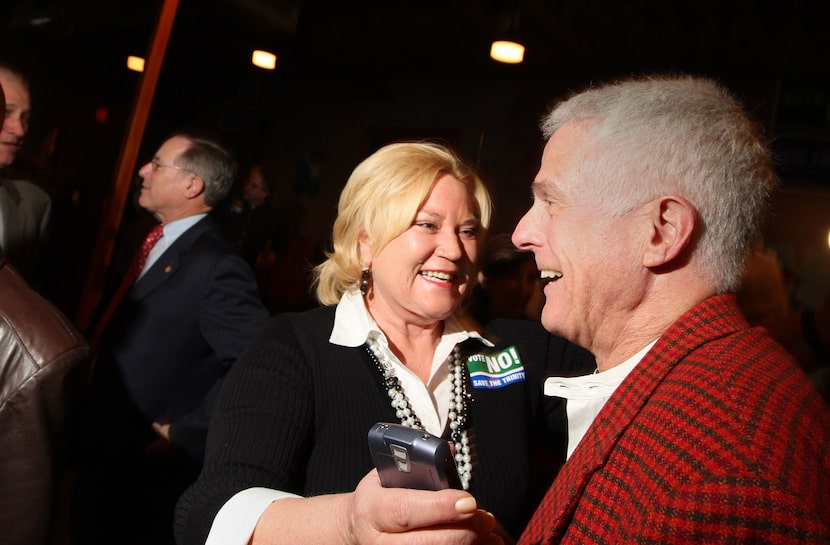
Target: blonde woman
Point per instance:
(287, 458)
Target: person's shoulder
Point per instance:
(207, 237)
(308, 321)
(203, 252)
(25, 193)
(39, 326)
(28, 189)
(308, 328)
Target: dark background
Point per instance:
(353, 75)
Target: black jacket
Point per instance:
(295, 411)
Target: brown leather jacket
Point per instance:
(42, 361)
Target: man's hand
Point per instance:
(162, 429)
(161, 447)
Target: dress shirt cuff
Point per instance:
(235, 522)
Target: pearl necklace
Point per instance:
(457, 410)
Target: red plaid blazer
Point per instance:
(715, 437)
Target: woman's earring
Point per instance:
(364, 282)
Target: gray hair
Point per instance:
(212, 161)
(679, 135)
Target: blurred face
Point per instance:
(421, 276)
(163, 187)
(587, 258)
(255, 191)
(509, 294)
(16, 119)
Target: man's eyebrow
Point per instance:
(539, 187)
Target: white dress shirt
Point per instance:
(587, 394)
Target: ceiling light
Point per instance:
(506, 51)
(40, 21)
(135, 63)
(264, 59)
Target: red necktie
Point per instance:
(129, 279)
(141, 259)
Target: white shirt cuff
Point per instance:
(235, 522)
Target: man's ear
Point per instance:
(195, 186)
(673, 220)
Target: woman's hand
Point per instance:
(399, 516)
(373, 515)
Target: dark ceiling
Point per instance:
(344, 50)
(350, 69)
(75, 50)
(579, 38)
(360, 51)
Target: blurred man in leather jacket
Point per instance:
(42, 360)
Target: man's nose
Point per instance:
(144, 171)
(14, 126)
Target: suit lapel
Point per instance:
(7, 212)
(170, 261)
(554, 514)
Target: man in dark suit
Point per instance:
(695, 428)
(163, 351)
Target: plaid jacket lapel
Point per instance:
(552, 517)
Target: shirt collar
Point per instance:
(595, 385)
(174, 229)
(353, 324)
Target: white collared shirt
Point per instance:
(353, 325)
(587, 394)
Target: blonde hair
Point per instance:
(381, 198)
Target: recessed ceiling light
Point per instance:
(506, 51)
